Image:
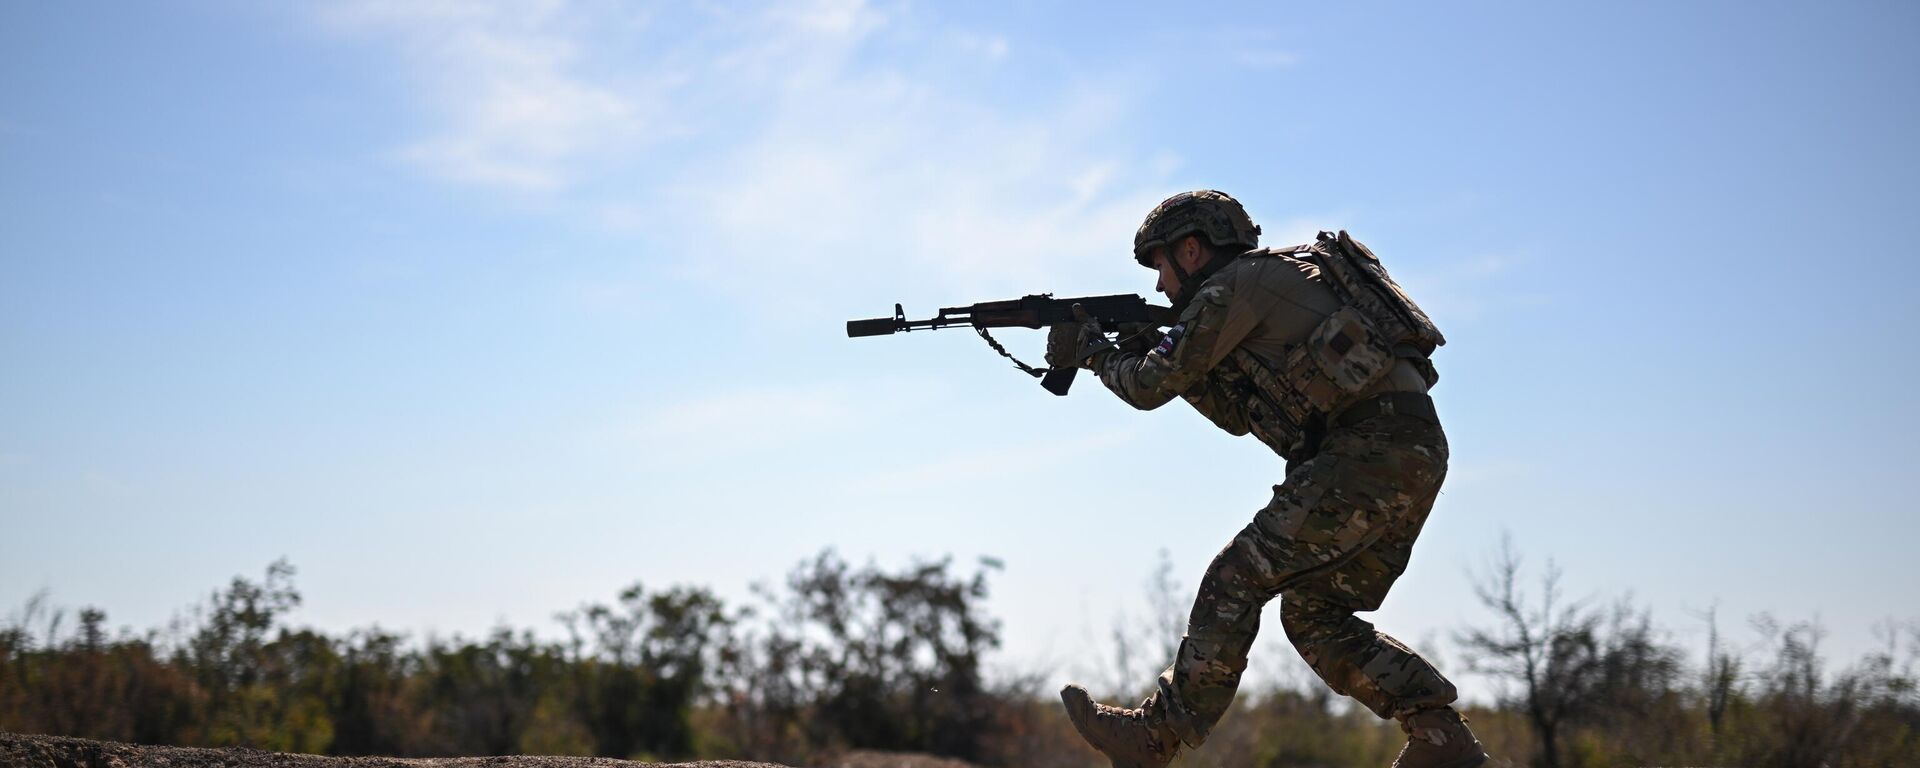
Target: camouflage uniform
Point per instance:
(1338, 531)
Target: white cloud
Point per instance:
(903, 182)
(796, 138)
(514, 110)
(845, 19)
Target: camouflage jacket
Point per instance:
(1238, 328)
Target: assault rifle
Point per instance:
(1037, 311)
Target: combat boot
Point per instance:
(1131, 738)
(1438, 738)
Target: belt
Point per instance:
(1415, 404)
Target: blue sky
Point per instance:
(475, 312)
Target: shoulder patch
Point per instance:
(1172, 339)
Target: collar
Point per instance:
(1190, 284)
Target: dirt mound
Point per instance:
(29, 751)
(865, 759)
(25, 751)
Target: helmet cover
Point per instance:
(1212, 214)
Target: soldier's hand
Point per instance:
(1067, 342)
(1064, 342)
(1137, 338)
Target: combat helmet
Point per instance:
(1209, 213)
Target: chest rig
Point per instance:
(1287, 406)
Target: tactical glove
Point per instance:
(1068, 343)
(1138, 338)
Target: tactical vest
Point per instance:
(1350, 350)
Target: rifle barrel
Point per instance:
(879, 326)
(1036, 311)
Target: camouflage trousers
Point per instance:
(1337, 534)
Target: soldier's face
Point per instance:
(1189, 256)
(1169, 283)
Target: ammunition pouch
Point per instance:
(1289, 406)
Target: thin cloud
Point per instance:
(714, 424)
(514, 110)
(990, 47)
(1471, 289)
(923, 183)
(1002, 464)
(794, 138)
(706, 427)
(1265, 58)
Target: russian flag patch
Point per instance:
(1172, 339)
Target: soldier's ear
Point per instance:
(1192, 254)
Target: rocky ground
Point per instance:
(28, 751)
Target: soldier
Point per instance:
(1319, 355)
